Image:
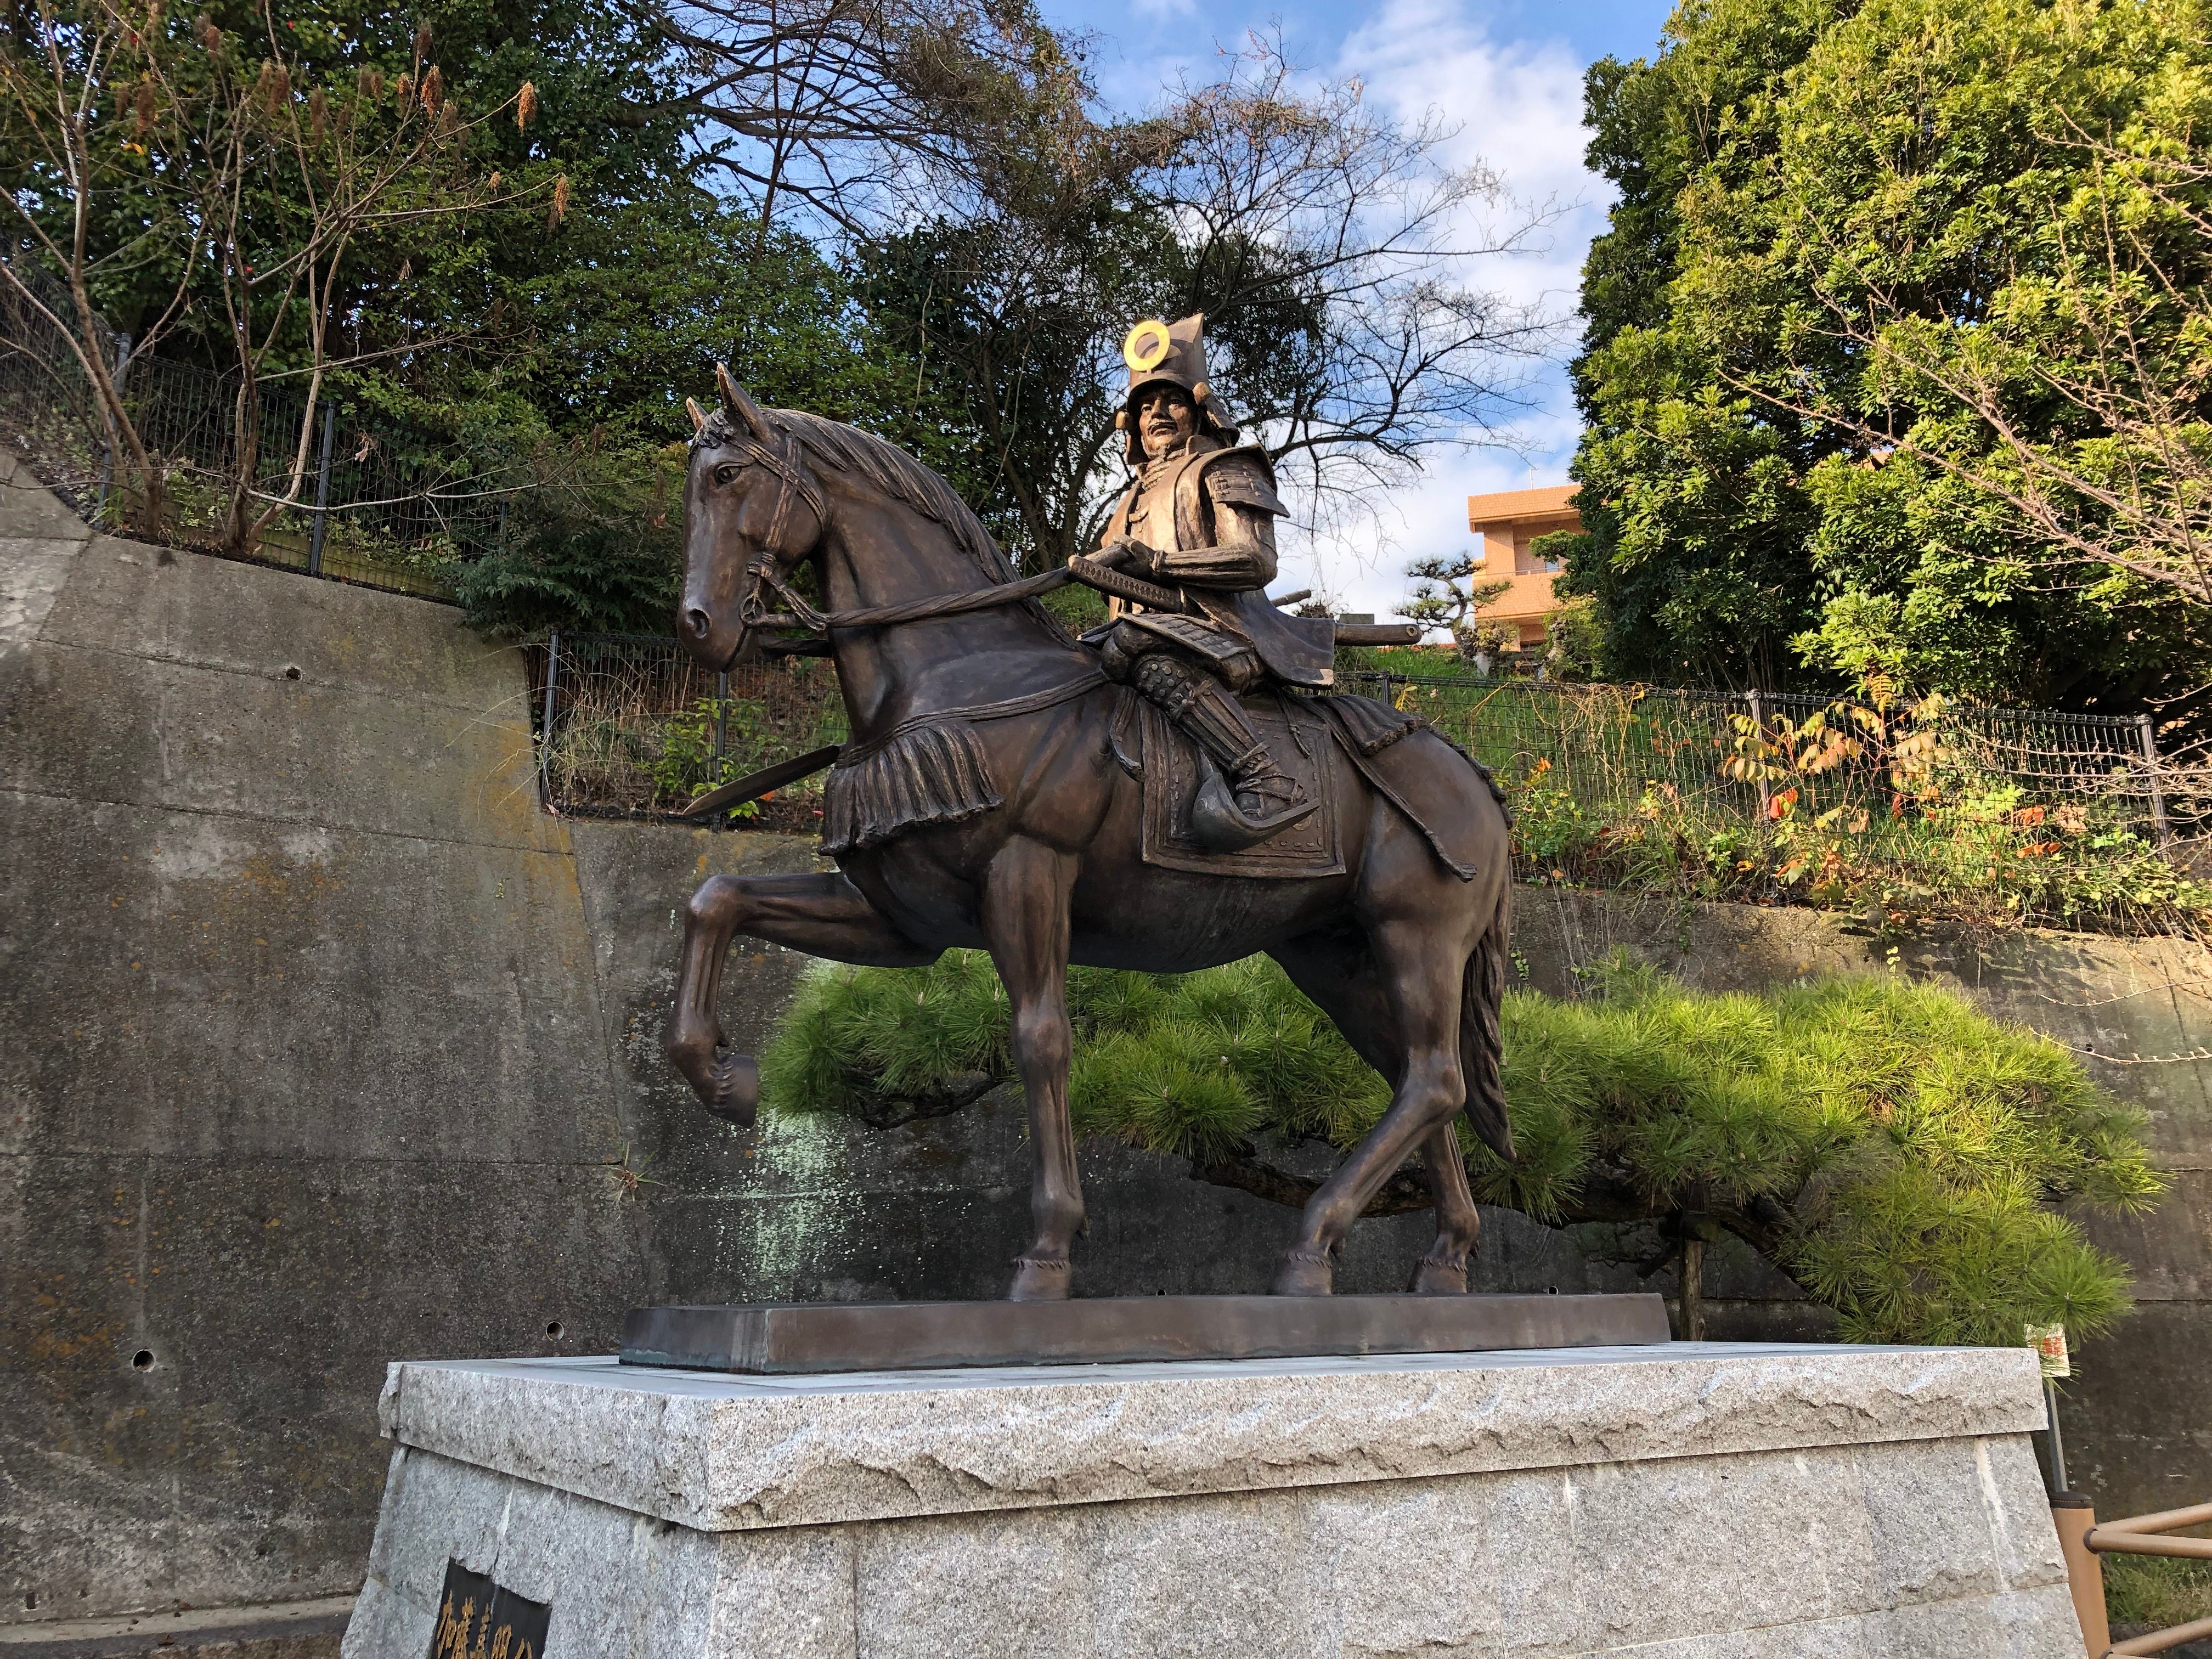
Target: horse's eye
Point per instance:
(724, 474)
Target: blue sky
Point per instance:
(1508, 74)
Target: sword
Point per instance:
(754, 785)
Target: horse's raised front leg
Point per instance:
(1421, 978)
(823, 915)
(1025, 925)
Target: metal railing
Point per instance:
(2082, 1540)
(2146, 1534)
(381, 504)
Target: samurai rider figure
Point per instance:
(1200, 518)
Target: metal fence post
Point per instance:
(2147, 733)
(323, 493)
(108, 457)
(1759, 731)
(545, 722)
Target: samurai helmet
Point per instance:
(1156, 351)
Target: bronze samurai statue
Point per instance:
(985, 797)
(1200, 519)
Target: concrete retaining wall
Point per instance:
(325, 1047)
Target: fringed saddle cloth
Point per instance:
(930, 770)
(934, 770)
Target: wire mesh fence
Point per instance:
(1932, 808)
(629, 727)
(1610, 745)
(1941, 808)
(365, 500)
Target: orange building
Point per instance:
(1508, 521)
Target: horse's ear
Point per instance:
(698, 414)
(734, 400)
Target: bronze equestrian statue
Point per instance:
(1010, 788)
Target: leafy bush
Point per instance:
(1898, 1154)
(596, 546)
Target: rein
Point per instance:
(803, 615)
(1089, 572)
(761, 572)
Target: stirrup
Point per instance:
(1220, 825)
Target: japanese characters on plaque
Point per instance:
(479, 1620)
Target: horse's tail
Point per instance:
(1482, 987)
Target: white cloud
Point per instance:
(1518, 106)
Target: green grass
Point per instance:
(2156, 1591)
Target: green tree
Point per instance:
(1439, 601)
(1754, 468)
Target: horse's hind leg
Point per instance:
(822, 916)
(1346, 983)
(1420, 965)
(1443, 1271)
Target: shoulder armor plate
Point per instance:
(1241, 477)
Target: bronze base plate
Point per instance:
(786, 1339)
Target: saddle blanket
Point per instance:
(1301, 744)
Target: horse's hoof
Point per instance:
(732, 1090)
(1305, 1272)
(1434, 1278)
(1040, 1278)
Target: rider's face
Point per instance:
(1165, 419)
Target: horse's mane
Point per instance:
(848, 449)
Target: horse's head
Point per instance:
(751, 514)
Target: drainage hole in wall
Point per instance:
(143, 1360)
(291, 673)
(553, 1329)
(30, 1600)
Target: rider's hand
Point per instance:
(1128, 553)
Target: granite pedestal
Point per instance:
(1678, 1501)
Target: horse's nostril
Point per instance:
(701, 624)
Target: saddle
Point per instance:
(1299, 731)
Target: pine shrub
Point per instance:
(1909, 1161)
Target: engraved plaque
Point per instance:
(479, 1620)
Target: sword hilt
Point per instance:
(1107, 580)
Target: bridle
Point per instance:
(764, 568)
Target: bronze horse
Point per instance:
(980, 804)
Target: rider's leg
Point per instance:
(1262, 798)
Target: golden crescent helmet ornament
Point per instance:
(1147, 345)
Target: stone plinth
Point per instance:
(1682, 1501)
